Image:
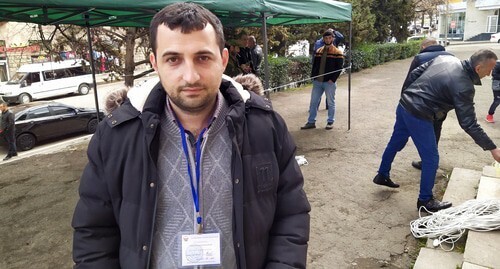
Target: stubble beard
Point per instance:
(193, 105)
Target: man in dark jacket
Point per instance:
(8, 130)
(256, 54)
(430, 49)
(438, 86)
(193, 172)
(495, 86)
(327, 64)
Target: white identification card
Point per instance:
(200, 249)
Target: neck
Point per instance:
(194, 122)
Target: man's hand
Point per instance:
(496, 154)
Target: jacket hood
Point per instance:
(433, 48)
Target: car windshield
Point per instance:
(17, 78)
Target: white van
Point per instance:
(42, 80)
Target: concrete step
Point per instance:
(462, 187)
(483, 248)
(491, 171)
(467, 265)
(438, 259)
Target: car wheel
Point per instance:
(26, 141)
(83, 89)
(24, 98)
(92, 126)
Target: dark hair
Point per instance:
(482, 56)
(189, 17)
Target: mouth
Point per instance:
(192, 90)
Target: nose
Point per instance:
(190, 74)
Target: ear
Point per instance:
(477, 68)
(152, 59)
(225, 57)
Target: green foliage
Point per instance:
(369, 55)
(278, 71)
(283, 70)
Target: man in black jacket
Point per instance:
(438, 86)
(430, 49)
(495, 86)
(193, 171)
(8, 130)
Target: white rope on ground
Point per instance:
(306, 79)
(448, 225)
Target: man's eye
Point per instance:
(204, 58)
(172, 60)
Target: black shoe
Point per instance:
(13, 155)
(329, 126)
(433, 205)
(417, 164)
(308, 126)
(381, 180)
(7, 157)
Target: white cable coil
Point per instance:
(448, 225)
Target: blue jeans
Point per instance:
(316, 93)
(422, 134)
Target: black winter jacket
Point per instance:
(114, 217)
(424, 56)
(441, 85)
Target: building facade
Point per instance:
(469, 20)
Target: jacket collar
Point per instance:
(471, 72)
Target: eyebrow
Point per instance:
(174, 53)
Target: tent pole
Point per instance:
(92, 67)
(266, 63)
(349, 78)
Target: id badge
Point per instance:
(200, 249)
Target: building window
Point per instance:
(492, 25)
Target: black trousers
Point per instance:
(496, 102)
(10, 139)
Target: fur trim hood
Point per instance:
(138, 94)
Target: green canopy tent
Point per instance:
(133, 13)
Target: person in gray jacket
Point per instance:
(193, 171)
(438, 86)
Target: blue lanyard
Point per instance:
(194, 192)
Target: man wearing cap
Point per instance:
(327, 63)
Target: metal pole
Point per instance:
(92, 67)
(349, 78)
(266, 63)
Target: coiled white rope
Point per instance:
(448, 225)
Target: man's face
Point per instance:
(190, 67)
(3, 107)
(328, 39)
(484, 69)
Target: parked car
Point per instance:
(38, 121)
(495, 38)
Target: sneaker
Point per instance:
(489, 118)
(381, 180)
(7, 157)
(432, 205)
(417, 164)
(308, 126)
(329, 126)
